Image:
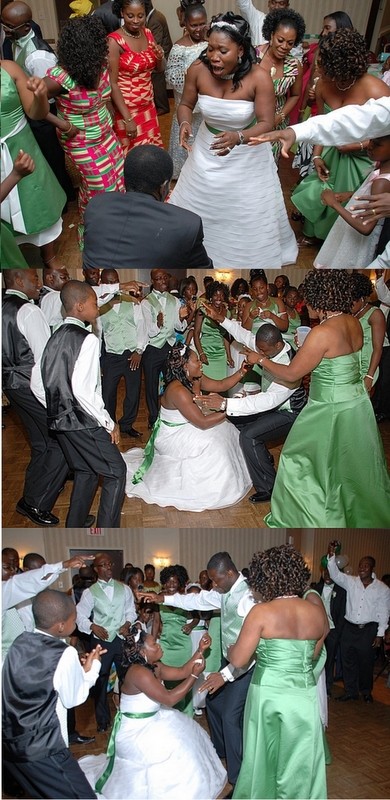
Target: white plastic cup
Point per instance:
(302, 332)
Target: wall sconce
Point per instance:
(161, 561)
(224, 276)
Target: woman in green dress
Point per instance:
(210, 340)
(283, 752)
(291, 299)
(343, 62)
(373, 324)
(332, 470)
(176, 644)
(262, 309)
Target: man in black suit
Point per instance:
(110, 20)
(334, 599)
(137, 229)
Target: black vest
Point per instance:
(31, 728)
(299, 399)
(17, 356)
(59, 357)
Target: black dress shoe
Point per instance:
(368, 698)
(131, 432)
(103, 728)
(76, 738)
(345, 697)
(260, 497)
(89, 521)
(36, 515)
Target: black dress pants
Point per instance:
(153, 361)
(114, 368)
(47, 470)
(91, 453)
(381, 397)
(332, 642)
(358, 656)
(58, 775)
(113, 655)
(254, 437)
(225, 715)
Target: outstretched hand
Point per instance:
(286, 136)
(210, 311)
(77, 561)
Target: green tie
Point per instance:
(149, 449)
(111, 744)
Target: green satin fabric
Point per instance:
(332, 471)
(215, 130)
(212, 341)
(283, 745)
(149, 449)
(177, 649)
(111, 744)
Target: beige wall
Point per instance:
(355, 543)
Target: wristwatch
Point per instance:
(223, 405)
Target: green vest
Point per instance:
(231, 622)
(170, 313)
(110, 615)
(119, 328)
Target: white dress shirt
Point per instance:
(28, 584)
(370, 604)
(255, 20)
(87, 603)
(31, 324)
(86, 383)
(152, 328)
(382, 261)
(50, 305)
(346, 125)
(139, 323)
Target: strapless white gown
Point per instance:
(238, 196)
(167, 756)
(192, 469)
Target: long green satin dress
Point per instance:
(213, 346)
(332, 471)
(283, 745)
(177, 648)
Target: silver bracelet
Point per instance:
(314, 157)
(223, 405)
(241, 139)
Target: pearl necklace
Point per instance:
(285, 596)
(341, 89)
(331, 316)
(360, 310)
(133, 35)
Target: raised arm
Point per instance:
(32, 91)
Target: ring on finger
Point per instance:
(374, 211)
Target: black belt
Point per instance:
(356, 625)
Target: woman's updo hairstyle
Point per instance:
(278, 572)
(328, 290)
(132, 645)
(237, 29)
(343, 55)
(286, 17)
(193, 9)
(174, 368)
(217, 286)
(119, 5)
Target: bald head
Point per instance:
(55, 278)
(109, 276)
(18, 17)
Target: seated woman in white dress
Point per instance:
(191, 461)
(155, 751)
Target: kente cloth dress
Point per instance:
(32, 210)
(177, 648)
(282, 87)
(238, 196)
(191, 469)
(135, 83)
(155, 753)
(212, 343)
(283, 746)
(344, 247)
(179, 59)
(95, 150)
(347, 171)
(332, 471)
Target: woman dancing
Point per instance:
(328, 476)
(155, 752)
(192, 462)
(237, 194)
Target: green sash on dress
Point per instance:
(111, 744)
(215, 130)
(149, 449)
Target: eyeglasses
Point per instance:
(105, 564)
(13, 27)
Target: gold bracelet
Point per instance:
(70, 127)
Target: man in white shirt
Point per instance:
(111, 604)
(367, 617)
(50, 295)
(276, 407)
(25, 335)
(255, 18)
(67, 381)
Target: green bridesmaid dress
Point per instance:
(212, 341)
(332, 471)
(177, 649)
(283, 744)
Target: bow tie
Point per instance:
(107, 583)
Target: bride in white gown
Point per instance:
(233, 187)
(156, 752)
(192, 462)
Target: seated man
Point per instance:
(137, 229)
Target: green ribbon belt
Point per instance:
(215, 130)
(149, 449)
(111, 744)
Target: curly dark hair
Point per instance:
(361, 286)
(131, 650)
(277, 572)
(82, 50)
(217, 286)
(237, 29)
(286, 17)
(118, 5)
(174, 367)
(185, 282)
(328, 290)
(343, 55)
(234, 289)
(174, 571)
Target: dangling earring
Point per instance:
(187, 373)
(239, 60)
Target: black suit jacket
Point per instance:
(337, 603)
(110, 21)
(134, 230)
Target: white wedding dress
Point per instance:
(164, 756)
(192, 469)
(238, 196)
